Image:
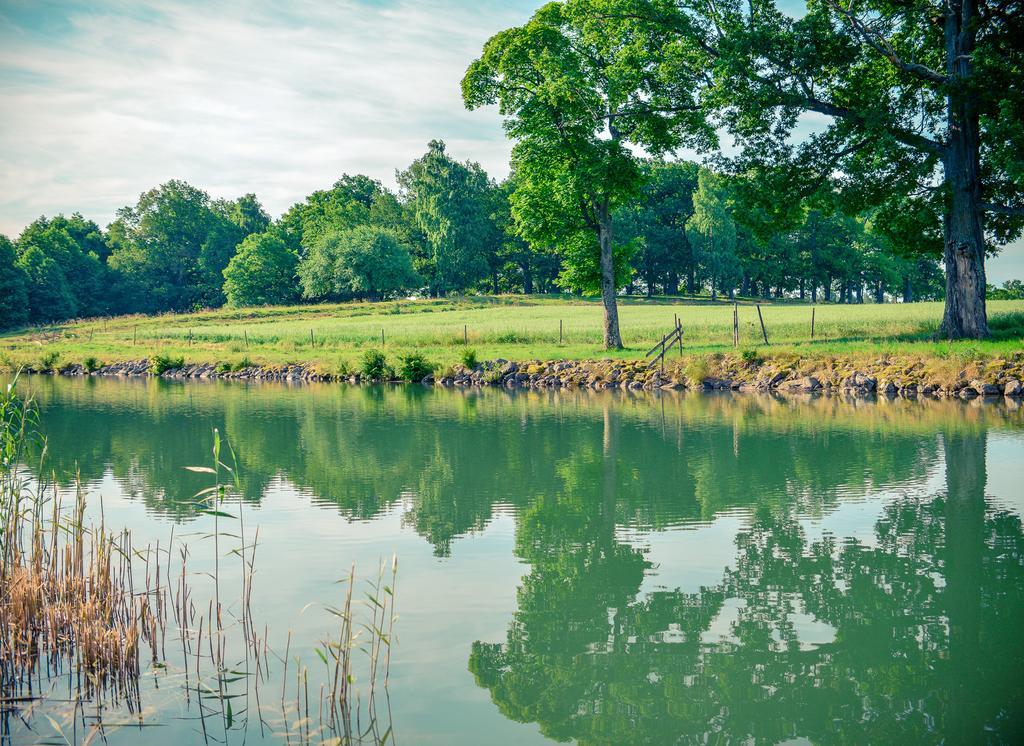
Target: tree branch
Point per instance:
(1002, 209)
(880, 44)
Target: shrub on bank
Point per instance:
(161, 363)
(375, 366)
(415, 368)
(468, 359)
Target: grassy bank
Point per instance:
(334, 338)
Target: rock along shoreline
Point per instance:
(905, 379)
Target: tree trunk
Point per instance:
(879, 293)
(908, 290)
(671, 283)
(527, 278)
(964, 254)
(612, 338)
(691, 281)
(802, 288)
(828, 290)
(814, 292)
(494, 281)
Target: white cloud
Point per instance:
(235, 99)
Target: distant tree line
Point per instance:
(449, 229)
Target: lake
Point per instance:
(573, 566)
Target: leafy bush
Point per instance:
(696, 370)
(751, 357)
(415, 367)
(375, 366)
(162, 363)
(48, 361)
(90, 364)
(468, 358)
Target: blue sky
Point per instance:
(102, 100)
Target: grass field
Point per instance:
(334, 337)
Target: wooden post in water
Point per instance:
(764, 333)
(812, 322)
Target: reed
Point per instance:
(79, 603)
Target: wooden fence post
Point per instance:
(135, 336)
(735, 324)
(812, 322)
(465, 334)
(246, 333)
(382, 336)
(764, 332)
(559, 331)
(311, 344)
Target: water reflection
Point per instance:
(913, 638)
(905, 634)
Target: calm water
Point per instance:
(594, 567)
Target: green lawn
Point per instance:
(511, 327)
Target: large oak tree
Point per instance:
(922, 103)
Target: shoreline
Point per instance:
(895, 376)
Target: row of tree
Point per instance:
(450, 228)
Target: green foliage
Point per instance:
(175, 243)
(751, 358)
(1011, 290)
(712, 232)
(363, 262)
(160, 363)
(451, 205)
(657, 221)
(468, 358)
(375, 366)
(261, 273)
(13, 292)
(91, 364)
(415, 368)
(49, 296)
(48, 362)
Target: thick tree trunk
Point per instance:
(814, 292)
(828, 290)
(879, 293)
(964, 254)
(908, 290)
(612, 338)
(802, 286)
(691, 281)
(745, 285)
(494, 281)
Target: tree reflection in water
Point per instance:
(917, 632)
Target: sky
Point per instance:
(104, 99)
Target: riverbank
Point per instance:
(895, 375)
(332, 339)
